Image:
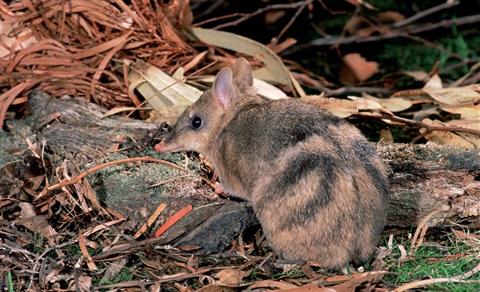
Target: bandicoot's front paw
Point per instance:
(219, 188)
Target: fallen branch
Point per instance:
(100, 166)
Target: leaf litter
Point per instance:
(87, 49)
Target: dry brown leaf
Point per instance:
(417, 75)
(352, 284)
(470, 123)
(277, 48)
(271, 284)
(10, 42)
(393, 104)
(353, 24)
(426, 111)
(273, 15)
(178, 13)
(36, 223)
(356, 69)
(465, 112)
(150, 220)
(92, 230)
(83, 248)
(454, 96)
(342, 108)
(386, 136)
(365, 104)
(390, 16)
(73, 52)
(312, 288)
(449, 138)
(194, 62)
(84, 283)
(120, 41)
(113, 269)
(7, 98)
(434, 82)
(230, 277)
(371, 30)
(168, 114)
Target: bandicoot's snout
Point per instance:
(169, 146)
(160, 147)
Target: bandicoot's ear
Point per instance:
(242, 74)
(223, 90)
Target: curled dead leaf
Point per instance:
(356, 69)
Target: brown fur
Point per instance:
(316, 185)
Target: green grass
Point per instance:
(429, 262)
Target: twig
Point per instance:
(473, 80)
(292, 20)
(425, 13)
(345, 29)
(445, 23)
(346, 90)
(418, 124)
(421, 230)
(41, 257)
(139, 245)
(456, 279)
(469, 273)
(100, 166)
(437, 47)
(331, 40)
(430, 282)
(257, 12)
(168, 180)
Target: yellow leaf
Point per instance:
(117, 110)
(159, 88)
(274, 71)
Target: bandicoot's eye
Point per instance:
(197, 122)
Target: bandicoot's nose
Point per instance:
(159, 147)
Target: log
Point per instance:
(423, 178)
(430, 177)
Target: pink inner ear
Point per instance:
(223, 89)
